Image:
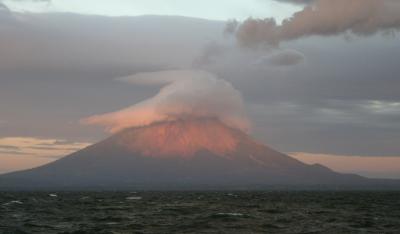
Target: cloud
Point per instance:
(18, 153)
(342, 127)
(324, 18)
(185, 93)
(5, 2)
(35, 146)
(48, 1)
(297, 2)
(282, 58)
(6, 5)
(382, 107)
(47, 56)
(61, 42)
(9, 147)
(231, 26)
(13, 152)
(5, 13)
(211, 54)
(3, 7)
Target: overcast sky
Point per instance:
(311, 89)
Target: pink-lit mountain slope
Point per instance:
(182, 154)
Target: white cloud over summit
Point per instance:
(185, 94)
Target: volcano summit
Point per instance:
(197, 153)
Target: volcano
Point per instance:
(180, 154)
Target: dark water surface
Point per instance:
(200, 212)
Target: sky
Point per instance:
(317, 86)
(207, 9)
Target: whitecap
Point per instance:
(13, 202)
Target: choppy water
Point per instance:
(200, 212)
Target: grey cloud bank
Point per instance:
(57, 68)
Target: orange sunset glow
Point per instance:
(188, 116)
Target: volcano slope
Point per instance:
(182, 154)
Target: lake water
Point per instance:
(199, 212)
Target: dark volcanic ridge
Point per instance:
(183, 154)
